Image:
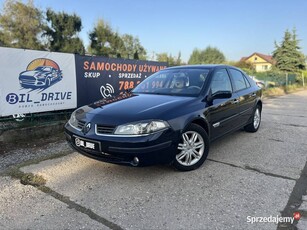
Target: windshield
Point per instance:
(40, 68)
(185, 82)
(43, 68)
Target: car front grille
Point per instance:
(27, 81)
(104, 129)
(80, 124)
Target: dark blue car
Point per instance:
(171, 117)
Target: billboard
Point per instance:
(101, 77)
(36, 81)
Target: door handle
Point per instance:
(253, 94)
(235, 101)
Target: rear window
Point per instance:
(239, 80)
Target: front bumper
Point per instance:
(157, 148)
(32, 82)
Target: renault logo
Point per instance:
(86, 128)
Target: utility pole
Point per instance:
(303, 78)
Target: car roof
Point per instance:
(44, 66)
(209, 66)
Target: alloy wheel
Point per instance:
(191, 148)
(256, 118)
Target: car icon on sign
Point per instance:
(40, 77)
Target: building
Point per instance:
(261, 62)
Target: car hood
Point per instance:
(30, 73)
(132, 107)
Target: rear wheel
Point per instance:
(254, 125)
(193, 149)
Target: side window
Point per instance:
(220, 81)
(239, 79)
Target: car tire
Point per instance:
(256, 120)
(193, 148)
(48, 82)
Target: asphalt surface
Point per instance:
(247, 175)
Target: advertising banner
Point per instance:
(36, 81)
(101, 77)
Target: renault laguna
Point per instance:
(170, 117)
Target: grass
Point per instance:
(275, 91)
(293, 88)
(282, 90)
(31, 179)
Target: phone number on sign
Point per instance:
(124, 85)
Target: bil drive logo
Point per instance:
(40, 74)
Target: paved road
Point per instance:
(246, 175)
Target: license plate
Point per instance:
(87, 144)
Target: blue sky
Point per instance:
(237, 27)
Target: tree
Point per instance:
(178, 60)
(106, 42)
(74, 45)
(103, 40)
(133, 48)
(243, 64)
(164, 57)
(210, 55)
(299, 56)
(171, 60)
(287, 54)
(195, 57)
(20, 25)
(62, 32)
(117, 45)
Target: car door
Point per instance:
(247, 97)
(223, 114)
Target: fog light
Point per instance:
(68, 137)
(135, 161)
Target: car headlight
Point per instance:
(80, 114)
(73, 120)
(140, 128)
(39, 75)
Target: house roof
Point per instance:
(267, 58)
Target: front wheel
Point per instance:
(48, 83)
(193, 149)
(254, 125)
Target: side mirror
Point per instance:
(218, 95)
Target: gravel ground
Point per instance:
(16, 154)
